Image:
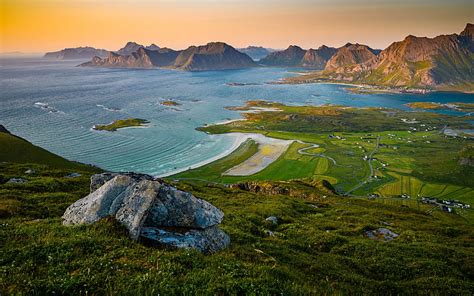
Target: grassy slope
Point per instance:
(319, 245)
(16, 149)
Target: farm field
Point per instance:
(415, 161)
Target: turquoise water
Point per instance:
(54, 104)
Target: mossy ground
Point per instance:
(318, 247)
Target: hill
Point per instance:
(212, 56)
(76, 53)
(290, 57)
(132, 47)
(319, 243)
(318, 58)
(445, 62)
(18, 150)
(350, 54)
(295, 56)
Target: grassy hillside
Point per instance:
(320, 245)
(18, 150)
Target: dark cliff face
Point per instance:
(76, 53)
(290, 57)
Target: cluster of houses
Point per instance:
(445, 205)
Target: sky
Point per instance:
(47, 25)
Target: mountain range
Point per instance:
(212, 56)
(442, 62)
(445, 62)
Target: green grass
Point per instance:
(16, 149)
(315, 250)
(121, 123)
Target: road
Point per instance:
(369, 159)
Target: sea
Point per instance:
(55, 104)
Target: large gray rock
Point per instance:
(98, 180)
(103, 202)
(176, 208)
(209, 240)
(136, 205)
(148, 209)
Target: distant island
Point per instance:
(76, 53)
(121, 123)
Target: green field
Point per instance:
(416, 159)
(320, 245)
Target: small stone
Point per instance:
(383, 234)
(269, 233)
(273, 220)
(73, 175)
(17, 181)
(30, 172)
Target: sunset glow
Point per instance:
(44, 25)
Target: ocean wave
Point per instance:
(46, 107)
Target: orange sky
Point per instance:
(46, 25)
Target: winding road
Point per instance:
(369, 159)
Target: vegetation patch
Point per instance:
(121, 123)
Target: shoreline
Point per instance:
(238, 138)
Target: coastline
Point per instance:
(238, 140)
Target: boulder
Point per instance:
(151, 211)
(102, 203)
(98, 180)
(136, 204)
(176, 208)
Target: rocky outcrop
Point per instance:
(212, 56)
(151, 211)
(76, 53)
